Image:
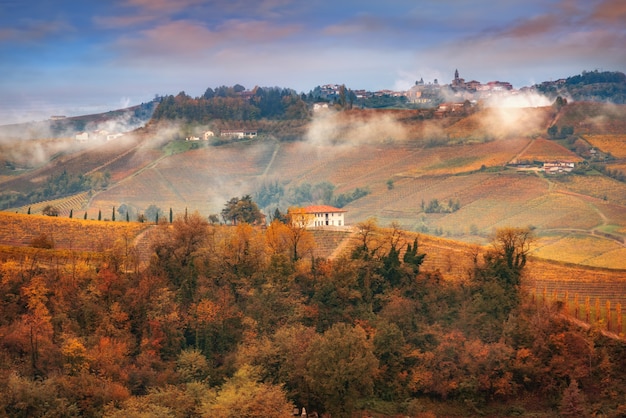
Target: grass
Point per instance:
(177, 147)
(453, 163)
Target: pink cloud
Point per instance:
(188, 38)
(532, 27)
(167, 6)
(611, 11)
(114, 22)
(254, 31)
(178, 39)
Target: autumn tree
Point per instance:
(510, 252)
(50, 210)
(573, 402)
(496, 283)
(244, 396)
(177, 249)
(242, 209)
(299, 237)
(192, 366)
(42, 241)
(341, 368)
(38, 322)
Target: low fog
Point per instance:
(347, 129)
(34, 144)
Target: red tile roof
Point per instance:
(323, 209)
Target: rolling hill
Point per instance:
(405, 163)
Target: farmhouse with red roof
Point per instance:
(324, 215)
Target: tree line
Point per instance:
(228, 103)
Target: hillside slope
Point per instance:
(406, 164)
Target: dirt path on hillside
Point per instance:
(112, 160)
(519, 154)
(269, 165)
(141, 244)
(127, 178)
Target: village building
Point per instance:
(111, 137)
(320, 106)
(557, 167)
(208, 135)
(238, 133)
(82, 136)
(324, 215)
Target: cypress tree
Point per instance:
(127, 217)
(85, 217)
(29, 210)
(156, 219)
(71, 213)
(113, 214)
(99, 215)
(171, 215)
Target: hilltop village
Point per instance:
(429, 94)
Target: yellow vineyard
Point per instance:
(614, 144)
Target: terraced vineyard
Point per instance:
(71, 234)
(76, 204)
(585, 249)
(542, 149)
(599, 187)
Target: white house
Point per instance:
(238, 133)
(208, 135)
(324, 215)
(320, 106)
(558, 167)
(111, 137)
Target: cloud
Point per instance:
(535, 26)
(348, 130)
(173, 39)
(28, 30)
(116, 22)
(611, 12)
(194, 41)
(163, 6)
(520, 100)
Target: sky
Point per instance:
(73, 57)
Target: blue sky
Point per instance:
(83, 56)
